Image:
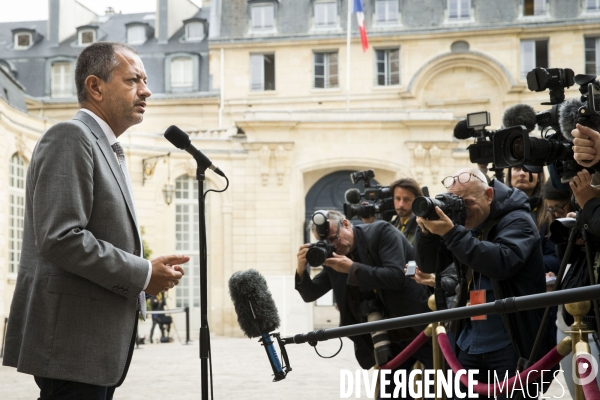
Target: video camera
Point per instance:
(381, 200)
(452, 205)
(517, 148)
(321, 250)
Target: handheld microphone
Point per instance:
(569, 116)
(520, 114)
(352, 196)
(257, 313)
(182, 141)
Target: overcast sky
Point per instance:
(35, 10)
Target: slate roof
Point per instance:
(30, 64)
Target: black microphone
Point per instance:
(462, 131)
(352, 196)
(257, 313)
(520, 114)
(182, 141)
(568, 117)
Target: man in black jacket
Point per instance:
(500, 255)
(368, 263)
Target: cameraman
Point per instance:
(498, 252)
(368, 264)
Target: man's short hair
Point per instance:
(97, 59)
(332, 215)
(408, 184)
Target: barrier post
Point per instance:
(438, 357)
(3, 337)
(579, 332)
(187, 325)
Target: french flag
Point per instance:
(360, 17)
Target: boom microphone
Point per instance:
(568, 117)
(352, 196)
(182, 141)
(462, 131)
(520, 114)
(257, 313)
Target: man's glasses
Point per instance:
(463, 178)
(336, 239)
(557, 209)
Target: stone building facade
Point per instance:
(269, 103)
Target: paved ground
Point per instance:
(240, 371)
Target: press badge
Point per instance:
(477, 297)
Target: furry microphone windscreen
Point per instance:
(568, 117)
(352, 196)
(520, 114)
(254, 305)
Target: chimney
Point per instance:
(170, 15)
(109, 11)
(64, 17)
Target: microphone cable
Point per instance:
(314, 345)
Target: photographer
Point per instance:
(498, 254)
(367, 266)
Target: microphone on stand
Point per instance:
(257, 314)
(182, 141)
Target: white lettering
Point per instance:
(399, 384)
(414, 383)
(457, 392)
(428, 383)
(534, 384)
(557, 381)
(345, 394)
(517, 386)
(500, 385)
(357, 388)
(472, 382)
(383, 383)
(444, 381)
(370, 386)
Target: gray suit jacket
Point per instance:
(74, 307)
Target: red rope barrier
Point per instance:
(590, 389)
(545, 363)
(405, 354)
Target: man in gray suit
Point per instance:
(82, 277)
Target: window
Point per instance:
(263, 16)
(136, 34)
(182, 73)
(23, 40)
(386, 11)
(592, 5)
(17, 211)
(459, 9)
(325, 13)
(534, 53)
(62, 79)
(534, 7)
(592, 55)
(326, 70)
(262, 72)
(87, 36)
(187, 240)
(194, 31)
(388, 67)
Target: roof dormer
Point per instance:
(87, 34)
(24, 38)
(196, 29)
(138, 32)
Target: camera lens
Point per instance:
(422, 206)
(516, 148)
(316, 255)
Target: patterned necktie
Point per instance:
(118, 149)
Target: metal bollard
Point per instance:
(579, 332)
(187, 325)
(438, 357)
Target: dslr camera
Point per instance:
(452, 205)
(321, 250)
(380, 199)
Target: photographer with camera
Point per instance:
(498, 254)
(365, 271)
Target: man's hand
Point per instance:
(423, 278)
(583, 191)
(586, 145)
(166, 273)
(302, 259)
(339, 263)
(437, 227)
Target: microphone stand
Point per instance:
(204, 330)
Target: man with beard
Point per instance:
(405, 191)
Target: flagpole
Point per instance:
(348, 30)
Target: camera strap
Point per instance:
(438, 292)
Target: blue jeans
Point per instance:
(56, 389)
(498, 361)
